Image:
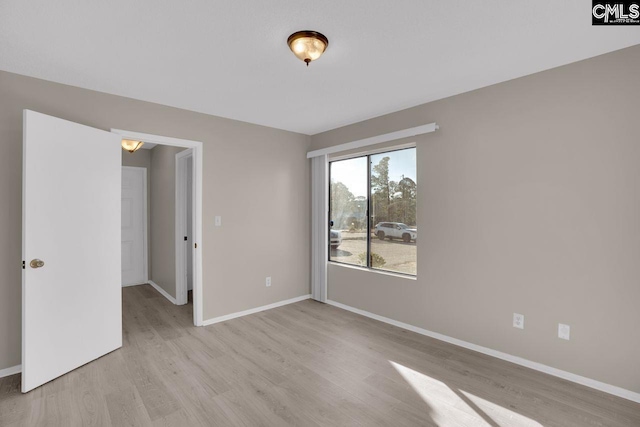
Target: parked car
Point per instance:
(396, 230)
(336, 239)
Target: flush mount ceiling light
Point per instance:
(307, 45)
(131, 145)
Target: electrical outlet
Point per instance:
(564, 331)
(518, 321)
(268, 281)
(218, 221)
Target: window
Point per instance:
(372, 209)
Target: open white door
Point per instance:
(71, 305)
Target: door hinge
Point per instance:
(23, 266)
(185, 238)
(195, 245)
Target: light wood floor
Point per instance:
(304, 364)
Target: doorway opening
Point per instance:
(185, 285)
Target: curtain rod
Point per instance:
(405, 133)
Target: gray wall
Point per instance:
(142, 159)
(528, 202)
(163, 217)
(256, 177)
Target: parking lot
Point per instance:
(398, 256)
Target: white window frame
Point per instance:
(368, 155)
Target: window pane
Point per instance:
(348, 193)
(393, 211)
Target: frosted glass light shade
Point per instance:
(131, 145)
(307, 45)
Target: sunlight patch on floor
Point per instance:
(449, 404)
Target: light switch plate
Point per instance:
(268, 281)
(518, 321)
(218, 221)
(564, 331)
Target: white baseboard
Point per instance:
(254, 310)
(162, 291)
(135, 284)
(10, 371)
(607, 388)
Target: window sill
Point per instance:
(374, 270)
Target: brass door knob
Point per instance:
(36, 263)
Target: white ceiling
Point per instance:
(230, 58)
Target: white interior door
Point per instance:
(134, 227)
(71, 305)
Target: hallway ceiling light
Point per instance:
(307, 45)
(131, 145)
